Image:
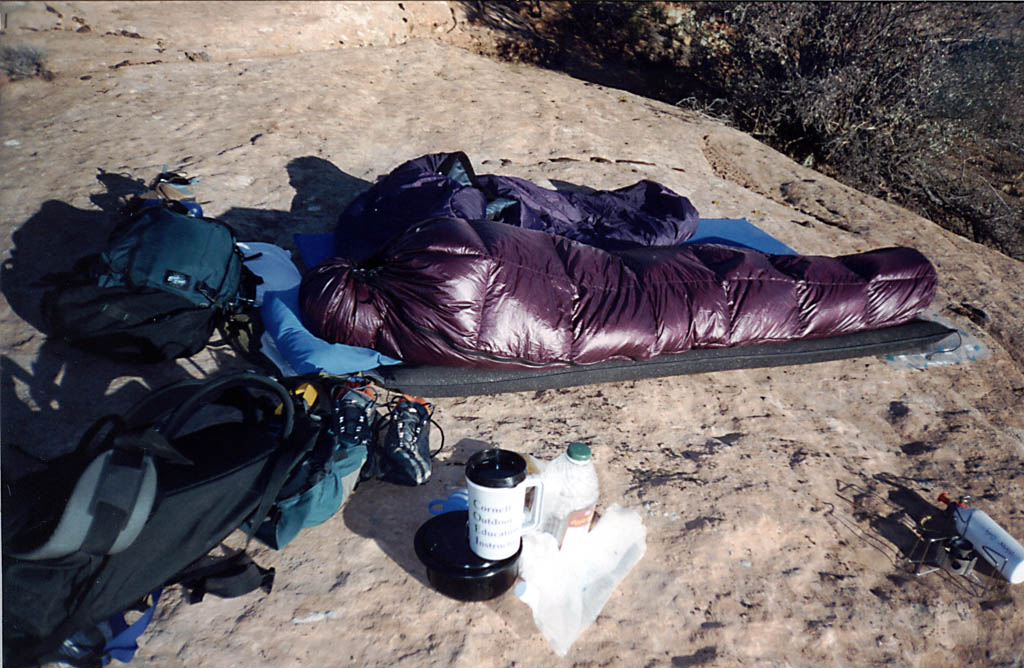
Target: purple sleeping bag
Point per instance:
(458, 289)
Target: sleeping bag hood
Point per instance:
(438, 266)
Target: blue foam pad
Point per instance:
(737, 232)
(314, 248)
(305, 352)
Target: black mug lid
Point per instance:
(496, 468)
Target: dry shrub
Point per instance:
(23, 62)
(919, 103)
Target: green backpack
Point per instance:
(166, 280)
(321, 483)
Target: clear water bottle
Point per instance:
(570, 494)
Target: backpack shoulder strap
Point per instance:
(107, 508)
(214, 389)
(227, 576)
(170, 407)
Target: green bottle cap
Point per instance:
(579, 451)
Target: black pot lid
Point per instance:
(442, 543)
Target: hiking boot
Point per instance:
(356, 408)
(402, 450)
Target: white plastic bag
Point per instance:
(960, 346)
(567, 589)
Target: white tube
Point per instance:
(990, 540)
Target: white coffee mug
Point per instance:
(497, 482)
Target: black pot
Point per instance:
(442, 544)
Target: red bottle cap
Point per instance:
(946, 500)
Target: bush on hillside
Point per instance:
(23, 62)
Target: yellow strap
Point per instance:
(307, 392)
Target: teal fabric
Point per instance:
(316, 504)
(184, 255)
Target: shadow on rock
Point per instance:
(322, 191)
(569, 187)
(391, 514)
(927, 517)
(892, 521)
(66, 389)
(47, 243)
(119, 189)
(52, 392)
(55, 237)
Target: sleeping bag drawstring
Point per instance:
(368, 276)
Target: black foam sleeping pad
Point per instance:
(439, 381)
